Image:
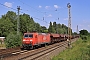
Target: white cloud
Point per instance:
(65, 18)
(56, 6)
(46, 7)
(8, 4)
(40, 6)
(49, 15)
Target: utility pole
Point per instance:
(57, 24)
(44, 16)
(77, 29)
(69, 23)
(18, 7)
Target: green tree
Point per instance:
(55, 26)
(51, 28)
(38, 27)
(75, 33)
(83, 32)
(44, 29)
(6, 26)
(12, 40)
(89, 33)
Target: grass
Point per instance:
(80, 51)
(2, 46)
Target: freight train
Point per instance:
(31, 40)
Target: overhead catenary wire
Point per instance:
(40, 19)
(31, 7)
(37, 18)
(34, 9)
(43, 19)
(21, 12)
(24, 13)
(8, 7)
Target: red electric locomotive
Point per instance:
(35, 39)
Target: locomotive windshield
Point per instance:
(28, 36)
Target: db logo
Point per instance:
(44, 38)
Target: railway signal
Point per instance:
(69, 23)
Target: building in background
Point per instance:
(2, 40)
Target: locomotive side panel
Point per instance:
(40, 39)
(43, 38)
(46, 38)
(35, 39)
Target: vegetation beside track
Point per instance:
(80, 51)
(2, 46)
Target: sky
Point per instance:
(51, 10)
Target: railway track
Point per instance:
(34, 54)
(42, 52)
(47, 51)
(7, 52)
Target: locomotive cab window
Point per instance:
(31, 35)
(26, 36)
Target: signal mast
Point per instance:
(69, 23)
(18, 28)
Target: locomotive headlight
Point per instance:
(30, 40)
(24, 40)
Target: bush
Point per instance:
(60, 59)
(84, 38)
(12, 40)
